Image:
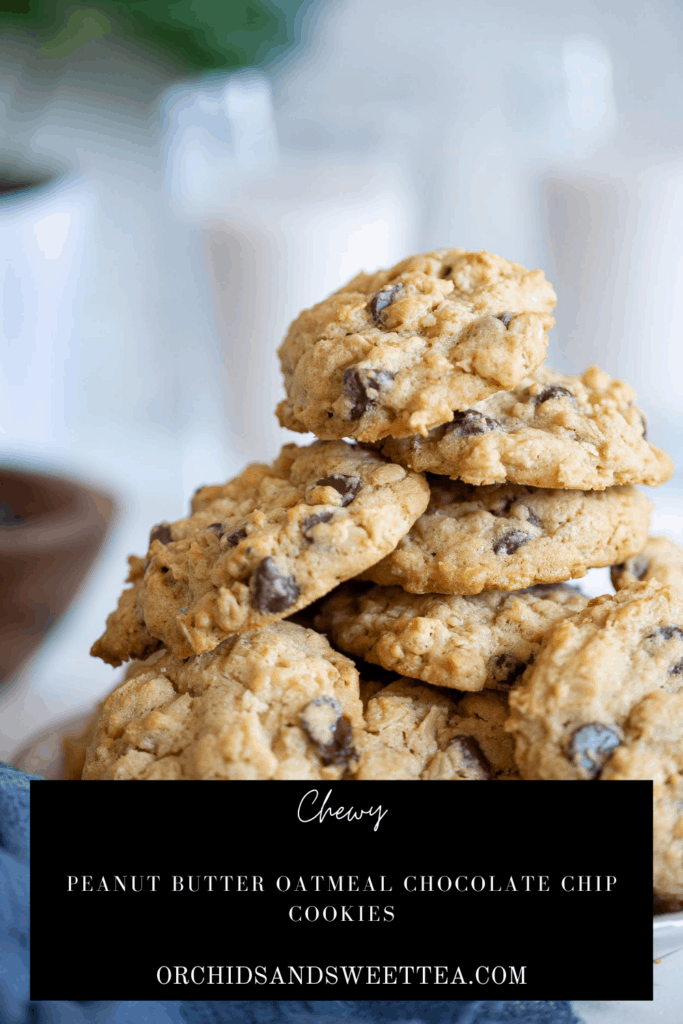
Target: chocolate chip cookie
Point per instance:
(506, 537)
(264, 545)
(415, 732)
(660, 559)
(467, 643)
(651, 748)
(395, 352)
(569, 712)
(551, 430)
(274, 703)
(126, 635)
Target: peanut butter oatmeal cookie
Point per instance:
(551, 430)
(262, 546)
(569, 713)
(274, 703)
(395, 352)
(506, 537)
(467, 643)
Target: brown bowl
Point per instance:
(51, 528)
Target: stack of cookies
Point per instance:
(389, 602)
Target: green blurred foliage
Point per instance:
(189, 35)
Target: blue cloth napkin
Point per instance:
(16, 1008)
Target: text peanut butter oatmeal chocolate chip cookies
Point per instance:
(552, 430)
(568, 713)
(275, 703)
(264, 545)
(507, 537)
(660, 560)
(415, 732)
(467, 643)
(395, 352)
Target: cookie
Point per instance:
(570, 710)
(75, 743)
(416, 732)
(466, 643)
(274, 703)
(552, 430)
(651, 748)
(395, 352)
(660, 560)
(506, 537)
(126, 635)
(265, 545)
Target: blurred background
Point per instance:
(178, 180)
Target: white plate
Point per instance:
(667, 935)
(667, 1005)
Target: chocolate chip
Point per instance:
(358, 385)
(591, 746)
(446, 271)
(161, 532)
(555, 391)
(164, 568)
(668, 633)
(347, 486)
(319, 517)
(506, 317)
(383, 299)
(671, 633)
(341, 750)
(654, 642)
(509, 542)
(532, 518)
(329, 730)
(473, 758)
(273, 592)
(505, 669)
(238, 534)
(353, 389)
(216, 528)
(471, 422)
